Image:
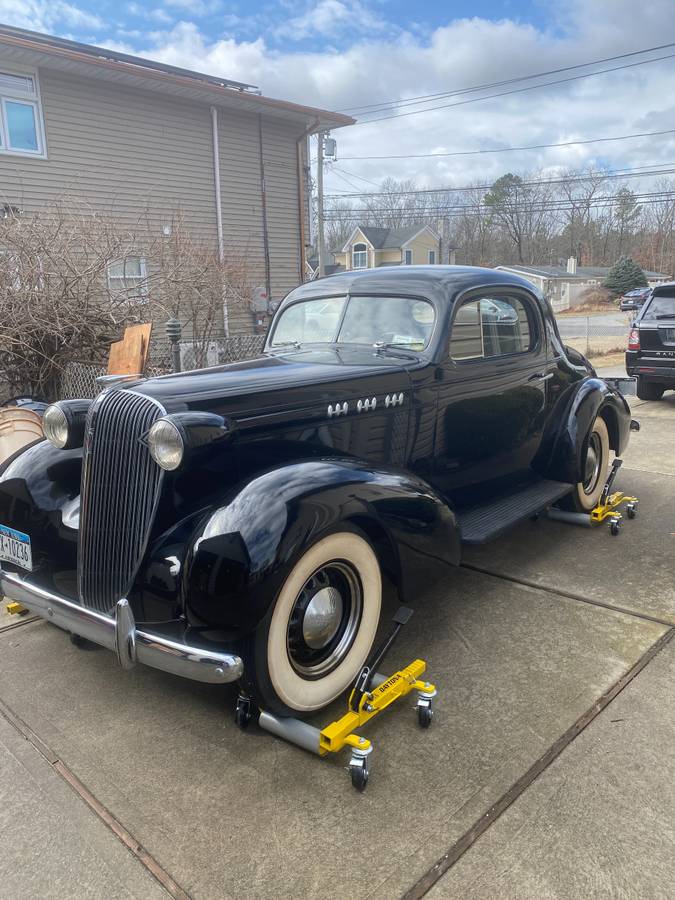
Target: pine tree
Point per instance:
(625, 275)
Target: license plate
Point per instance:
(667, 335)
(15, 548)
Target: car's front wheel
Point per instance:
(316, 638)
(587, 492)
(649, 390)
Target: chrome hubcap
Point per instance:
(322, 618)
(325, 620)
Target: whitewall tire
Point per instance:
(322, 626)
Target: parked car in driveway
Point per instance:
(651, 344)
(237, 523)
(634, 299)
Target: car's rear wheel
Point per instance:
(649, 390)
(587, 492)
(317, 636)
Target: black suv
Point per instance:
(651, 344)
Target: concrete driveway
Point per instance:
(548, 771)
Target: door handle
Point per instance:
(540, 376)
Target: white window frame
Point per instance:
(142, 295)
(432, 257)
(406, 261)
(359, 253)
(32, 98)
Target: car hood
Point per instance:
(243, 386)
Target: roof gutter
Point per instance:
(160, 76)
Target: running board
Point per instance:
(484, 523)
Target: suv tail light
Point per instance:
(634, 339)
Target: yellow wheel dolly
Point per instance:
(607, 509)
(371, 695)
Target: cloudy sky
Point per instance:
(342, 54)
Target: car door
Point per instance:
(491, 392)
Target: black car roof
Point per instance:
(442, 283)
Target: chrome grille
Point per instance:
(120, 489)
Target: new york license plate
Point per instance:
(15, 548)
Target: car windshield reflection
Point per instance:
(403, 322)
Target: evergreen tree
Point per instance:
(625, 275)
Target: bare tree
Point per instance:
(71, 279)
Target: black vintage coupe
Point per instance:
(236, 523)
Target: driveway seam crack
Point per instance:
(481, 825)
(113, 824)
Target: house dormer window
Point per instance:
(359, 256)
(21, 129)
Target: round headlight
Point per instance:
(55, 426)
(166, 445)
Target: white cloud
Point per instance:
(195, 7)
(46, 15)
(331, 17)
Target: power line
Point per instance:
(532, 87)
(635, 172)
(620, 137)
(562, 204)
(386, 104)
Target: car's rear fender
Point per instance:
(241, 552)
(563, 448)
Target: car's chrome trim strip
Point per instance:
(121, 635)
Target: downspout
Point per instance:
(263, 200)
(219, 209)
(301, 197)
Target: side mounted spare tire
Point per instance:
(586, 494)
(317, 636)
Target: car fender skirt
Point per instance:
(563, 448)
(242, 552)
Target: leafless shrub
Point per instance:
(71, 279)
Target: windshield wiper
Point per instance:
(378, 346)
(665, 316)
(296, 345)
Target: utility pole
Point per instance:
(319, 206)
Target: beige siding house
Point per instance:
(136, 139)
(368, 248)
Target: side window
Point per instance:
(492, 326)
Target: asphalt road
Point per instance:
(609, 324)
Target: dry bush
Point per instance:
(596, 297)
(58, 305)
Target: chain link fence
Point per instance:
(79, 378)
(596, 335)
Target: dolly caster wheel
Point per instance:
(425, 715)
(615, 527)
(243, 713)
(358, 771)
(631, 510)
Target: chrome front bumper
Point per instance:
(121, 635)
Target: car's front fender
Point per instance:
(242, 552)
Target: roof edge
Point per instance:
(158, 72)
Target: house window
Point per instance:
(407, 257)
(21, 129)
(432, 257)
(128, 277)
(359, 256)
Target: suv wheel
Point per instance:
(649, 390)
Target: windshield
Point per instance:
(662, 305)
(397, 321)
